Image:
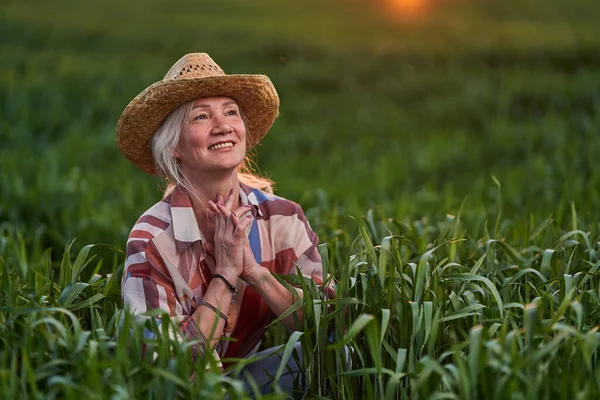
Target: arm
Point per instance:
(300, 252)
(278, 297)
(297, 247)
(218, 295)
(145, 288)
(149, 284)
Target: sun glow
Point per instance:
(407, 7)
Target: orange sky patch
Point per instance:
(408, 7)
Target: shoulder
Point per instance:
(271, 205)
(283, 218)
(150, 224)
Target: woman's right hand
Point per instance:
(230, 233)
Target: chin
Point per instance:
(227, 166)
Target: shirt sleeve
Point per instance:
(146, 288)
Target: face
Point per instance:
(213, 136)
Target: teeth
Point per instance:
(220, 146)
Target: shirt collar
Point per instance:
(247, 196)
(185, 226)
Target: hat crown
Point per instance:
(194, 66)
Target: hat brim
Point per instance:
(255, 94)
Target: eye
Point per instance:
(232, 112)
(200, 116)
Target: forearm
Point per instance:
(278, 297)
(210, 324)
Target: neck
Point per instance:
(207, 187)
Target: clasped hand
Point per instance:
(232, 252)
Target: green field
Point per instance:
(463, 141)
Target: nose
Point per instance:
(221, 127)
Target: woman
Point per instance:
(206, 253)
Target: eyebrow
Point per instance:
(227, 103)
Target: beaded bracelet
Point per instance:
(216, 310)
(229, 284)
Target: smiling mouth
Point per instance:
(221, 145)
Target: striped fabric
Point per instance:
(165, 266)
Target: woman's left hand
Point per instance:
(252, 270)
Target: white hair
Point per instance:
(165, 141)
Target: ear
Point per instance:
(175, 153)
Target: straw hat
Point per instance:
(194, 75)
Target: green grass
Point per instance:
(448, 286)
(423, 313)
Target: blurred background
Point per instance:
(407, 107)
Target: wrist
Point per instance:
(257, 275)
(231, 286)
(230, 275)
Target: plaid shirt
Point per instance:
(165, 265)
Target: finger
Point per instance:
(220, 226)
(235, 218)
(243, 224)
(223, 211)
(217, 225)
(239, 213)
(229, 200)
(230, 229)
(243, 209)
(212, 206)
